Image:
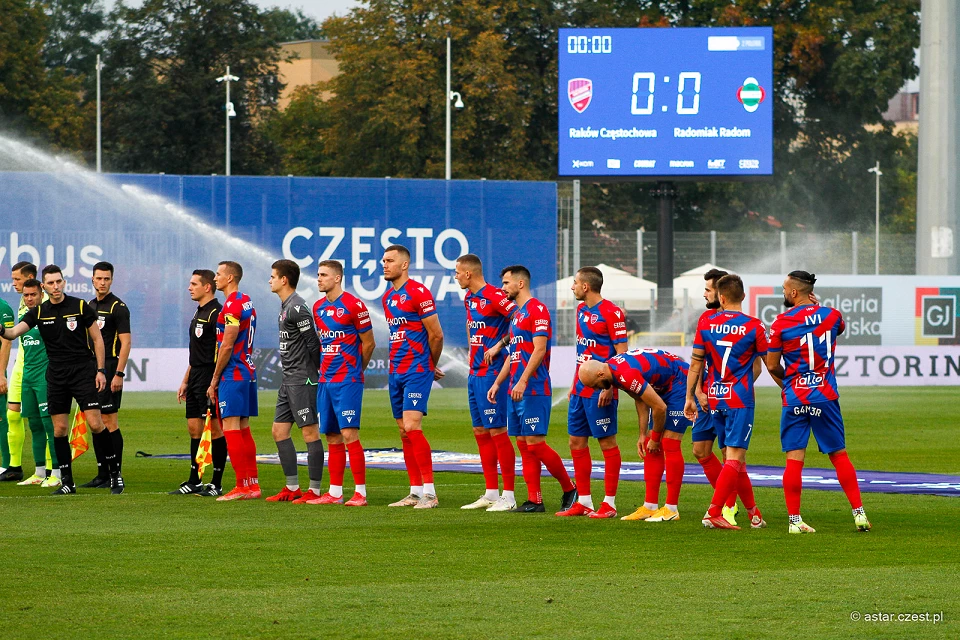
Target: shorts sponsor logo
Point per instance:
(808, 411)
(532, 422)
(349, 414)
(604, 423)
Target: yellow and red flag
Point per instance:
(79, 435)
(204, 457)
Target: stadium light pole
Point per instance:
(876, 242)
(99, 144)
(228, 109)
(454, 97)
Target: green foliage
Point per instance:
(75, 29)
(290, 26)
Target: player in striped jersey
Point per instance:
(805, 337)
(416, 342)
(731, 341)
(601, 334)
(346, 345)
(529, 404)
(489, 311)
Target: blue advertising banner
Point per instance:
(156, 229)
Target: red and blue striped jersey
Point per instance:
(488, 321)
(807, 336)
(599, 330)
(663, 371)
(530, 321)
(731, 341)
(405, 308)
(706, 365)
(238, 311)
(339, 325)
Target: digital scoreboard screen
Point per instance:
(671, 103)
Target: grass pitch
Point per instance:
(151, 565)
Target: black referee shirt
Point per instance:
(63, 328)
(203, 335)
(113, 317)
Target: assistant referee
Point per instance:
(76, 370)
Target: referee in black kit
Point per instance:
(69, 329)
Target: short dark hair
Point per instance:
(33, 283)
(233, 267)
(26, 268)
(593, 277)
(804, 280)
(103, 266)
(399, 248)
(335, 265)
(51, 268)
(287, 269)
(713, 275)
(471, 261)
(517, 270)
(206, 276)
(730, 287)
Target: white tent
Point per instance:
(692, 281)
(618, 286)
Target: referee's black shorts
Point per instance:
(66, 383)
(197, 384)
(109, 400)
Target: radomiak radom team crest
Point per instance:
(580, 92)
(751, 94)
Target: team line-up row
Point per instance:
(325, 349)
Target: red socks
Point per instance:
(531, 472)
(410, 461)
(421, 449)
(611, 471)
(793, 486)
(507, 458)
(745, 490)
(236, 450)
(847, 476)
(250, 454)
(554, 464)
(582, 468)
(712, 468)
(358, 465)
(336, 463)
(488, 460)
(726, 484)
(674, 465)
(653, 465)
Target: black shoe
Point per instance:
(210, 491)
(65, 490)
(531, 507)
(13, 474)
(97, 483)
(569, 497)
(186, 488)
(116, 485)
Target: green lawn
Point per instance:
(147, 564)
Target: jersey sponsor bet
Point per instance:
(662, 370)
(731, 341)
(113, 318)
(488, 321)
(339, 326)
(405, 309)
(63, 327)
(599, 330)
(238, 312)
(530, 321)
(299, 345)
(203, 334)
(807, 336)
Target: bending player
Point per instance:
(488, 322)
(805, 336)
(601, 334)
(346, 345)
(529, 404)
(730, 341)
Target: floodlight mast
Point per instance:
(228, 109)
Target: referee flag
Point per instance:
(204, 458)
(79, 435)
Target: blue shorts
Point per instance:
(704, 429)
(530, 416)
(338, 406)
(410, 392)
(484, 414)
(823, 418)
(675, 402)
(237, 398)
(735, 425)
(585, 418)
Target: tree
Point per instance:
(163, 109)
(290, 26)
(74, 33)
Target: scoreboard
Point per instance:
(666, 103)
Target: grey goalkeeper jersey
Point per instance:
(299, 343)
